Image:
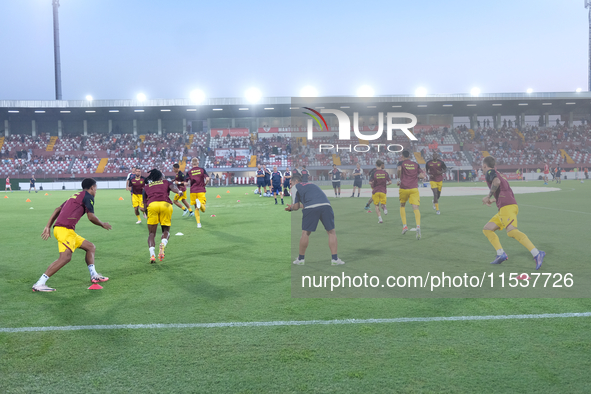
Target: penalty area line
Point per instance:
(296, 323)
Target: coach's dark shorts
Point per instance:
(336, 184)
(357, 183)
(311, 216)
(260, 182)
(277, 188)
(267, 182)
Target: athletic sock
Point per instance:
(417, 217)
(275, 200)
(164, 241)
(281, 201)
(335, 257)
(403, 215)
(197, 216)
(301, 257)
(139, 219)
(42, 280)
(190, 210)
(437, 206)
(184, 209)
(534, 252)
(522, 238)
(500, 252)
(92, 270)
(152, 252)
(493, 239)
(357, 194)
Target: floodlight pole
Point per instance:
(56, 50)
(588, 5)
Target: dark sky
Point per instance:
(115, 49)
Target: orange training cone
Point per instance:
(228, 191)
(120, 198)
(5, 196)
(218, 196)
(28, 200)
(95, 286)
(46, 194)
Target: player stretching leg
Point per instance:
(315, 207)
(198, 178)
(506, 218)
(409, 173)
(156, 199)
(179, 182)
(380, 181)
(65, 217)
(436, 168)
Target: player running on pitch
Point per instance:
(357, 172)
(409, 173)
(8, 185)
(370, 175)
(506, 218)
(66, 216)
(198, 178)
(179, 182)
(135, 185)
(276, 181)
(380, 181)
(436, 168)
(315, 207)
(546, 172)
(157, 201)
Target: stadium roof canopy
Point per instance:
(507, 104)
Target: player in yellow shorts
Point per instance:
(380, 181)
(409, 173)
(436, 168)
(66, 216)
(157, 200)
(179, 182)
(135, 185)
(506, 218)
(198, 178)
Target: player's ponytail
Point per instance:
(154, 176)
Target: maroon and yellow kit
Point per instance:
(379, 181)
(505, 200)
(409, 185)
(157, 200)
(72, 211)
(197, 176)
(137, 188)
(435, 169)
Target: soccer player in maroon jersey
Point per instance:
(506, 218)
(157, 201)
(409, 173)
(135, 185)
(380, 181)
(198, 178)
(65, 217)
(435, 168)
(179, 182)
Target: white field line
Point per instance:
(296, 323)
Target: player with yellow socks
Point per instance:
(506, 218)
(198, 179)
(435, 168)
(409, 173)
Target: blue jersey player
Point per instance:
(261, 180)
(286, 180)
(276, 181)
(267, 181)
(315, 207)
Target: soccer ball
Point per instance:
(256, 191)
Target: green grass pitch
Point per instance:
(237, 268)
